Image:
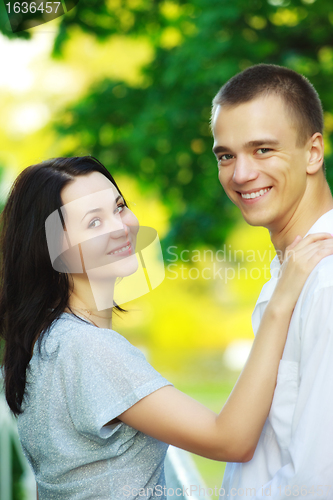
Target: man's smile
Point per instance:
(254, 194)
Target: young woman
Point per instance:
(94, 417)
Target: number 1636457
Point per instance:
(32, 7)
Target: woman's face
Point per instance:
(100, 229)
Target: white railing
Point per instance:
(182, 476)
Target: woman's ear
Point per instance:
(316, 154)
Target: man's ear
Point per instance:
(316, 153)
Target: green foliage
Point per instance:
(5, 27)
(159, 132)
(17, 492)
(17, 472)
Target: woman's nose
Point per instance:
(115, 222)
(118, 228)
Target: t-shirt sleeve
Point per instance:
(104, 375)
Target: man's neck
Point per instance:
(307, 213)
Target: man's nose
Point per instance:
(244, 170)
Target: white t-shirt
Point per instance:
(82, 378)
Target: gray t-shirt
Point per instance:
(84, 377)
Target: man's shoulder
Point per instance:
(321, 277)
(318, 287)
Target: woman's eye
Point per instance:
(95, 223)
(120, 208)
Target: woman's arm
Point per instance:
(173, 417)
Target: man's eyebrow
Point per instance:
(260, 142)
(220, 149)
(250, 144)
(94, 210)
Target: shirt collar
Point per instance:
(323, 225)
(268, 288)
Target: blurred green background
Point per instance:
(131, 82)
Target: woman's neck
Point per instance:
(92, 301)
(99, 319)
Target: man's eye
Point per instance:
(225, 157)
(95, 223)
(263, 150)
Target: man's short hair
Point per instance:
(300, 97)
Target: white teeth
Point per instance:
(254, 194)
(127, 247)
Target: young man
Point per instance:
(267, 124)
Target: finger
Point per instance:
(294, 243)
(303, 243)
(306, 259)
(317, 248)
(316, 258)
(306, 253)
(310, 238)
(291, 247)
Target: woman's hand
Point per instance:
(300, 258)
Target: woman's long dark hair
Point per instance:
(32, 294)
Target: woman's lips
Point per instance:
(124, 250)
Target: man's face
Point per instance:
(261, 169)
